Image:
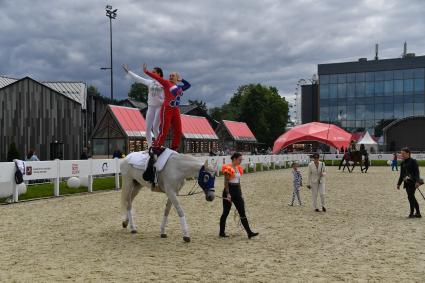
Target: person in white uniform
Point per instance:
(316, 181)
(155, 100)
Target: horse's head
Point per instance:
(206, 180)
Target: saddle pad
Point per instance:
(163, 158)
(138, 159)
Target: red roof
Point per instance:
(196, 127)
(239, 131)
(130, 120)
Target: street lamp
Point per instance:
(111, 14)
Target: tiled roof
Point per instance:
(239, 131)
(130, 120)
(196, 127)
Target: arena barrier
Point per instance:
(61, 169)
(376, 156)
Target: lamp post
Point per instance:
(111, 14)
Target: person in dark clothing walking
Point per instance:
(409, 175)
(232, 193)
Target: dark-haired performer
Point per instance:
(232, 193)
(170, 111)
(155, 100)
(409, 174)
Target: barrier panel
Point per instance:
(58, 169)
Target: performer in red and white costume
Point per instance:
(170, 112)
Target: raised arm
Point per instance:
(186, 85)
(156, 77)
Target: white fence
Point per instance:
(417, 156)
(59, 169)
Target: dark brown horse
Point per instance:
(351, 156)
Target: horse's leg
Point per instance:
(134, 192)
(165, 218)
(172, 197)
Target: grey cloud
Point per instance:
(216, 45)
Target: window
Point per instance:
(388, 87)
(398, 110)
(333, 113)
(409, 98)
(419, 85)
(369, 113)
(408, 86)
(324, 91)
(398, 74)
(388, 111)
(419, 73)
(379, 111)
(324, 113)
(360, 77)
(351, 90)
(379, 88)
(398, 87)
(360, 89)
(418, 108)
(379, 76)
(408, 109)
(351, 112)
(342, 78)
(419, 98)
(370, 88)
(351, 101)
(379, 100)
(324, 79)
(360, 112)
(324, 102)
(408, 74)
(333, 79)
(370, 76)
(389, 75)
(342, 113)
(333, 91)
(351, 78)
(342, 90)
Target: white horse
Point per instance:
(170, 180)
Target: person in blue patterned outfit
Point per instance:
(298, 183)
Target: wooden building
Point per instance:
(120, 127)
(40, 114)
(236, 136)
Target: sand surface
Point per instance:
(364, 236)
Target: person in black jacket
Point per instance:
(409, 174)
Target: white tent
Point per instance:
(368, 142)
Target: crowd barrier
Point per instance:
(377, 156)
(58, 170)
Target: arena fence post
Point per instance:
(90, 177)
(57, 179)
(117, 173)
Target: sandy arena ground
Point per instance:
(364, 236)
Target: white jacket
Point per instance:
(316, 175)
(156, 91)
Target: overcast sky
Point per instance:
(216, 45)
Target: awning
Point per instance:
(325, 133)
(130, 120)
(197, 127)
(239, 131)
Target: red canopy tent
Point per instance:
(325, 133)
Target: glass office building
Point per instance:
(365, 95)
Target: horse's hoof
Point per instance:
(133, 231)
(163, 235)
(124, 224)
(186, 239)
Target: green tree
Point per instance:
(261, 107)
(13, 153)
(199, 103)
(92, 91)
(139, 92)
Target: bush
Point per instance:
(379, 163)
(13, 153)
(420, 162)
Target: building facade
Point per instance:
(34, 115)
(309, 103)
(368, 95)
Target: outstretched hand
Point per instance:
(126, 68)
(145, 67)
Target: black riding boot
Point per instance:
(245, 224)
(222, 227)
(149, 174)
